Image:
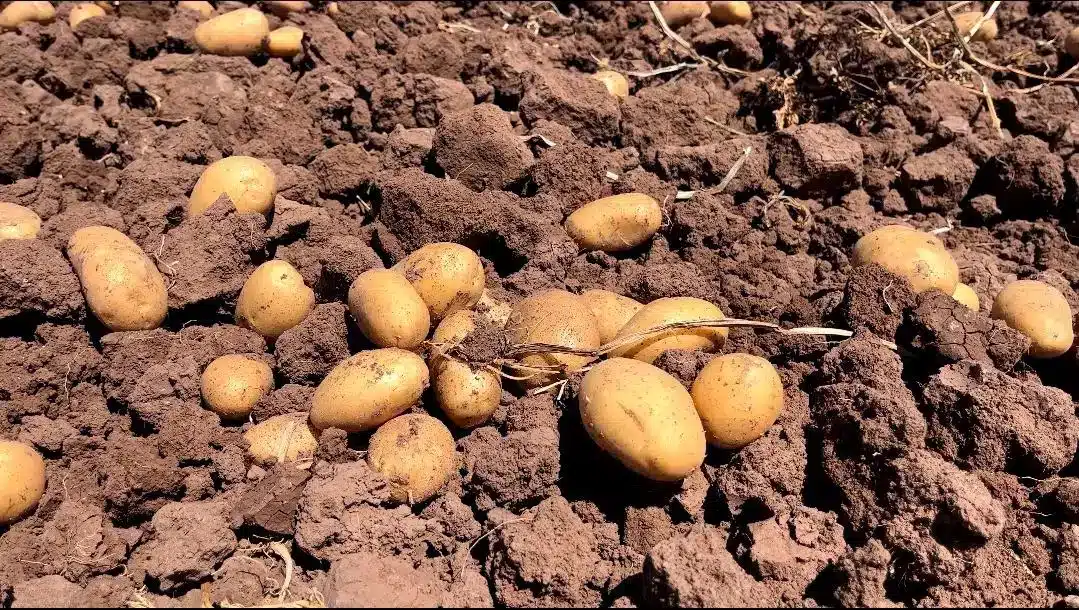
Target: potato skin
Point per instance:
(18, 222)
(1040, 312)
(273, 299)
(544, 318)
(615, 82)
(738, 397)
(417, 453)
(1071, 43)
(83, 11)
(665, 311)
(239, 32)
(123, 287)
(18, 13)
(282, 438)
(232, 384)
(919, 257)
(615, 224)
(680, 12)
(611, 310)
(249, 183)
(22, 480)
(966, 20)
(643, 417)
(447, 276)
(735, 12)
(388, 309)
(285, 41)
(467, 395)
(967, 297)
(203, 8)
(368, 389)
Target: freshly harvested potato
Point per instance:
(611, 310)
(731, 13)
(615, 82)
(22, 480)
(615, 224)
(18, 222)
(643, 417)
(554, 317)
(388, 309)
(1071, 43)
(447, 276)
(919, 257)
(239, 32)
(966, 21)
(123, 288)
(416, 452)
(285, 41)
(232, 384)
(25, 11)
(203, 8)
(274, 299)
(282, 8)
(679, 13)
(467, 394)
(282, 438)
(1040, 312)
(966, 296)
(666, 311)
(368, 389)
(738, 397)
(497, 311)
(249, 183)
(82, 12)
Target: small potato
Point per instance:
(239, 32)
(467, 394)
(82, 12)
(388, 309)
(17, 222)
(416, 453)
(919, 257)
(738, 397)
(555, 317)
(677, 14)
(22, 480)
(1040, 312)
(497, 311)
(274, 299)
(369, 389)
(615, 82)
(282, 8)
(282, 438)
(25, 11)
(967, 297)
(203, 8)
(285, 41)
(232, 384)
(611, 310)
(447, 276)
(731, 13)
(615, 224)
(666, 311)
(249, 183)
(966, 21)
(123, 287)
(1071, 43)
(643, 417)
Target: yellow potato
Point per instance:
(467, 394)
(966, 21)
(615, 224)
(249, 183)
(22, 480)
(368, 389)
(82, 12)
(25, 11)
(738, 397)
(239, 32)
(388, 309)
(615, 82)
(611, 310)
(679, 13)
(274, 299)
(332, 9)
(282, 8)
(203, 8)
(731, 13)
(285, 41)
(966, 296)
(1071, 43)
(447, 276)
(667, 311)
(232, 384)
(282, 438)
(643, 417)
(1040, 312)
(123, 287)
(919, 257)
(554, 317)
(497, 311)
(17, 222)
(416, 453)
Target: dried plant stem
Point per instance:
(935, 15)
(674, 35)
(733, 171)
(666, 69)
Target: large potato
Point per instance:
(666, 311)
(468, 394)
(25, 11)
(22, 480)
(282, 438)
(644, 417)
(249, 183)
(1040, 312)
(388, 309)
(738, 397)
(680, 12)
(554, 317)
(18, 222)
(232, 384)
(447, 276)
(919, 257)
(285, 41)
(82, 12)
(615, 224)
(611, 310)
(368, 389)
(240, 32)
(274, 299)
(123, 288)
(416, 453)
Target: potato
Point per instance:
(416, 453)
(677, 14)
(447, 276)
(17, 222)
(282, 8)
(615, 82)
(274, 299)
(123, 288)
(369, 389)
(965, 21)
(497, 311)
(25, 11)
(22, 480)
(1071, 43)
(738, 397)
(249, 183)
(388, 309)
(615, 224)
(232, 384)
(919, 257)
(611, 310)
(1040, 312)
(643, 417)
(282, 438)
(82, 12)
(239, 32)
(731, 13)
(555, 317)
(667, 311)
(467, 394)
(966, 296)
(285, 41)
(203, 8)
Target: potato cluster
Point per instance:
(246, 31)
(679, 13)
